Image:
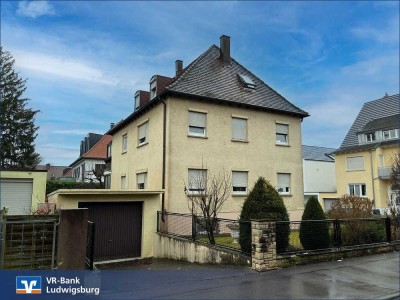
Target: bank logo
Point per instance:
(29, 285)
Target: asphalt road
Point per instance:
(369, 277)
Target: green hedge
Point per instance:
(54, 185)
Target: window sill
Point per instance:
(286, 195)
(355, 170)
(239, 195)
(123, 152)
(240, 141)
(141, 145)
(197, 136)
(282, 145)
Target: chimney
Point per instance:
(178, 67)
(225, 48)
(47, 167)
(112, 125)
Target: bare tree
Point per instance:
(206, 195)
(394, 184)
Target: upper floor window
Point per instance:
(283, 186)
(282, 134)
(359, 190)
(197, 180)
(109, 150)
(123, 182)
(153, 87)
(239, 129)
(355, 163)
(141, 179)
(124, 142)
(370, 137)
(389, 134)
(142, 134)
(197, 123)
(137, 100)
(239, 182)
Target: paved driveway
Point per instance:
(370, 277)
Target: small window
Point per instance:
(141, 179)
(239, 182)
(389, 134)
(197, 123)
(137, 100)
(153, 87)
(123, 182)
(197, 180)
(247, 81)
(282, 134)
(355, 163)
(359, 190)
(370, 137)
(239, 129)
(283, 186)
(99, 168)
(142, 134)
(109, 150)
(124, 142)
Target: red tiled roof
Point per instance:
(100, 149)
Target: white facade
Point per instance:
(83, 170)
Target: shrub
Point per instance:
(54, 185)
(314, 235)
(264, 202)
(351, 207)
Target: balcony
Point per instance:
(384, 172)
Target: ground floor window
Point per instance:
(358, 189)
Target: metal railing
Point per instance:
(226, 232)
(321, 235)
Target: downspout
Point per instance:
(372, 178)
(163, 159)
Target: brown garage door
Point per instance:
(118, 229)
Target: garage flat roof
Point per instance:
(106, 192)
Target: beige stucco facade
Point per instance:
(151, 199)
(377, 164)
(39, 179)
(216, 152)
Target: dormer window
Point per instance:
(247, 81)
(137, 100)
(153, 87)
(370, 137)
(389, 134)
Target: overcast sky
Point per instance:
(84, 60)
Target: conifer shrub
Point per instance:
(314, 235)
(264, 202)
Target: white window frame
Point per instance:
(140, 182)
(280, 131)
(284, 190)
(153, 88)
(370, 137)
(124, 142)
(360, 189)
(347, 163)
(140, 127)
(201, 177)
(137, 101)
(238, 130)
(194, 124)
(239, 183)
(123, 182)
(392, 134)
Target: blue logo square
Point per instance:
(29, 285)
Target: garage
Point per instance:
(16, 194)
(118, 229)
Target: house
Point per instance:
(363, 161)
(92, 158)
(318, 172)
(21, 191)
(213, 116)
(53, 172)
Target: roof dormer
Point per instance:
(153, 87)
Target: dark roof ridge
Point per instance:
(307, 114)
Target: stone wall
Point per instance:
(173, 247)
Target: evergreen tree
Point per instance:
(264, 202)
(18, 131)
(314, 235)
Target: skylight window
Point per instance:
(247, 81)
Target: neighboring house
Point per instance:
(318, 172)
(53, 172)
(91, 160)
(22, 190)
(214, 116)
(363, 161)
